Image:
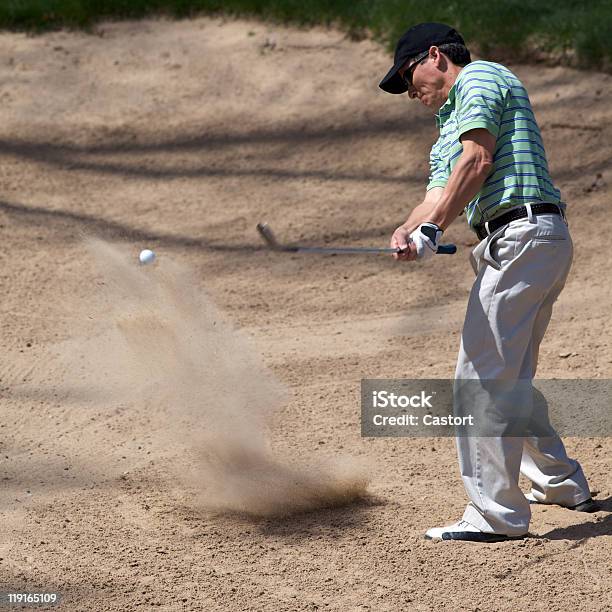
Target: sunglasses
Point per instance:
(408, 73)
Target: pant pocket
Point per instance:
(501, 249)
(543, 239)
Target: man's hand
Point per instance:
(420, 214)
(426, 238)
(401, 240)
(422, 243)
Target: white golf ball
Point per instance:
(146, 256)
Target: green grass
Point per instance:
(578, 32)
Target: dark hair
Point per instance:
(456, 53)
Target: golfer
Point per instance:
(489, 164)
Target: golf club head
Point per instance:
(268, 237)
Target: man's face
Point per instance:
(428, 84)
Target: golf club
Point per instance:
(268, 236)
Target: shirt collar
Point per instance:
(446, 109)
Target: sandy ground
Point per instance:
(181, 136)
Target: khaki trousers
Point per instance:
(520, 271)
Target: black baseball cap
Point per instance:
(416, 40)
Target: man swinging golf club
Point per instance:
(489, 163)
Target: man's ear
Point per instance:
(437, 58)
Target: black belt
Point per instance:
(543, 208)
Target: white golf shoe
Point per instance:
(588, 505)
(465, 531)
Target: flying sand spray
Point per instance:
(209, 393)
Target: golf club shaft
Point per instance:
(265, 231)
(443, 249)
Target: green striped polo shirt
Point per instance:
(487, 95)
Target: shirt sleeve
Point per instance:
(438, 168)
(480, 103)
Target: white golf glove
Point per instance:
(426, 238)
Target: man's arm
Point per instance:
(423, 211)
(467, 177)
(443, 205)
